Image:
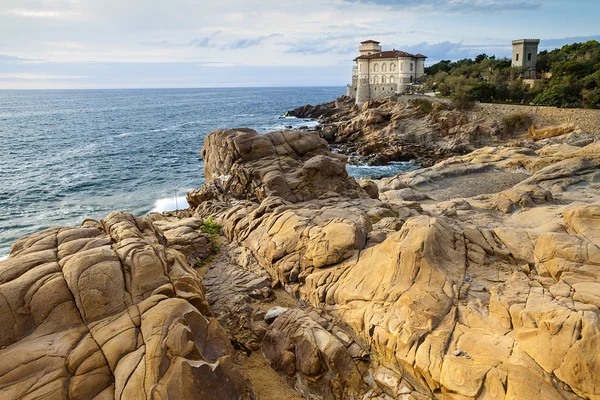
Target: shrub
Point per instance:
(463, 99)
(559, 96)
(483, 91)
(516, 122)
(211, 227)
(423, 105)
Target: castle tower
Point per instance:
(369, 47)
(363, 86)
(524, 55)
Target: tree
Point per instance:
(480, 58)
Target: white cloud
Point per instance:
(81, 35)
(36, 76)
(47, 14)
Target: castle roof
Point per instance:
(370, 41)
(389, 54)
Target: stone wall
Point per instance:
(585, 119)
(382, 90)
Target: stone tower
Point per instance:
(524, 55)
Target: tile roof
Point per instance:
(390, 54)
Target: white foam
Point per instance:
(170, 204)
(2, 258)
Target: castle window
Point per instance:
(392, 67)
(517, 57)
(360, 67)
(528, 56)
(411, 66)
(383, 78)
(383, 68)
(376, 68)
(401, 67)
(391, 79)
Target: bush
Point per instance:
(463, 100)
(559, 96)
(483, 91)
(211, 227)
(516, 122)
(423, 105)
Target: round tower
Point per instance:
(363, 88)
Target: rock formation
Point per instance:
(490, 295)
(475, 278)
(110, 310)
(423, 128)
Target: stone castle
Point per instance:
(524, 55)
(380, 73)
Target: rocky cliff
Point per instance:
(428, 130)
(476, 278)
(432, 294)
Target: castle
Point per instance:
(524, 55)
(380, 73)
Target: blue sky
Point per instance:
(191, 43)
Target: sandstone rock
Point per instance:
(369, 187)
(311, 356)
(295, 166)
(453, 299)
(109, 310)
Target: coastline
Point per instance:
(291, 262)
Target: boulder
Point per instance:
(293, 165)
(109, 310)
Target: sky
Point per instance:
(85, 44)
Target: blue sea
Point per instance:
(75, 154)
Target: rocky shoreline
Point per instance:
(427, 130)
(474, 278)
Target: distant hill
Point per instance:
(574, 81)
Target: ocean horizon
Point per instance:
(71, 154)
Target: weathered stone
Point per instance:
(109, 310)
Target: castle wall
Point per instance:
(351, 91)
(380, 91)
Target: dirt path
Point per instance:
(229, 283)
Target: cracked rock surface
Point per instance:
(492, 295)
(109, 310)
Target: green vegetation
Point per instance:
(574, 80)
(424, 105)
(516, 122)
(211, 227)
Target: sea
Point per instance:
(67, 155)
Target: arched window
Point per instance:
(392, 67)
(383, 68)
(376, 68)
(391, 79)
(383, 79)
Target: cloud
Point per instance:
(6, 59)
(43, 14)
(203, 41)
(36, 77)
(216, 40)
(251, 42)
(551, 44)
(457, 6)
(67, 45)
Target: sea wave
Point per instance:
(165, 129)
